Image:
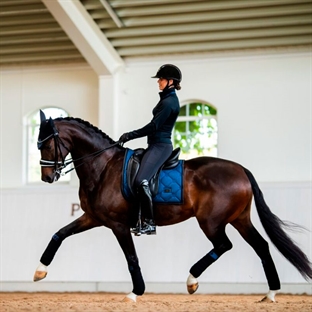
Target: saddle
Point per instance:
(133, 165)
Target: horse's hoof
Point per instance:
(39, 275)
(130, 298)
(270, 296)
(266, 299)
(192, 288)
(192, 284)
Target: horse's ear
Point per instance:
(47, 129)
(42, 116)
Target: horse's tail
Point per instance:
(273, 226)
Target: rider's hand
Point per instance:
(124, 138)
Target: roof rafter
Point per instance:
(85, 34)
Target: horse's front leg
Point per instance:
(81, 224)
(125, 240)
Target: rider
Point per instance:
(158, 132)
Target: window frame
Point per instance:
(191, 118)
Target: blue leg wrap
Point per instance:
(199, 267)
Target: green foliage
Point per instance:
(198, 134)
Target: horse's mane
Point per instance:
(87, 124)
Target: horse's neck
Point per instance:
(84, 144)
(91, 159)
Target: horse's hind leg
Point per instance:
(261, 247)
(81, 224)
(221, 244)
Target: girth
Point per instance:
(133, 166)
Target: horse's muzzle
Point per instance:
(51, 177)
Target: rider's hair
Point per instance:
(177, 85)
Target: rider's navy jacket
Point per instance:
(165, 114)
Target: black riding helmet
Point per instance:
(169, 71)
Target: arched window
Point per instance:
(33, 170)
(196, 130)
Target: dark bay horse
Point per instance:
(217, 192)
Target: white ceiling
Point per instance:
(36, 32)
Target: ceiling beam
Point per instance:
(158, 41)
(86, 36)
(43, 18)
(216, 46)
(4, 3)
(213, 5)
(55, 56)
(36, 8)
(37, 48)
(182, 18)
(33, 38)
(201, 6)
(291, 20)
(112, 14)
(28, 29)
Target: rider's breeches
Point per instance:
(153, 158)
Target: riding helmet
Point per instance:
(169, 71)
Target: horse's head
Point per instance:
(53, 151)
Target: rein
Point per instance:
(60, 165)
(71, 160)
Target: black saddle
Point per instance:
(134, 165)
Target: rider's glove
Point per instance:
(125, 137)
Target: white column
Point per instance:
(108, 106)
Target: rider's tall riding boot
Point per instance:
(148, 226)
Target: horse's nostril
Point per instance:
(47, 179)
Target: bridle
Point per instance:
(60, 165)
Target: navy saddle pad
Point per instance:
(169, 183)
